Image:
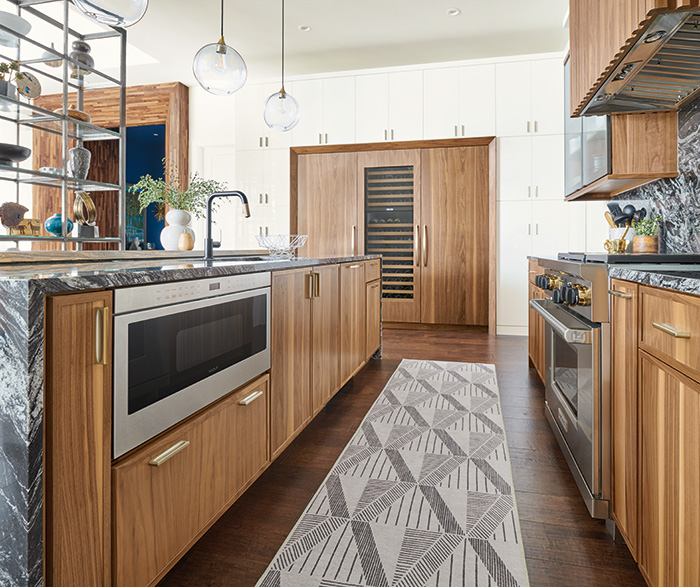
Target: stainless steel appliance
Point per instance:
(577, 372)
(180, 346)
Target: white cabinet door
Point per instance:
(548, 167)
(548, 96)
(309, 94)
(515, 168)
(441, 103)
(513, 249)
(372, 108)
(513, 99)
(477, 101)
(250, 126)
(276, 178)
(406, 106)
(339, 110)
(550, 228)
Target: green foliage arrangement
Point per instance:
(11, 70)
(648, 226)
(193, 199)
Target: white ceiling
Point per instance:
(345, 34)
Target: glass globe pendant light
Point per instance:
(122, 13)
(281, 109)
(218, 68)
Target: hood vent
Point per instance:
(660, 72)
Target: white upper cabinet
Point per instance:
(327, 108)
(530, 98)
(460, 102)
(389, 107)
(548, 167)
(309, 94)
(251, 130)
(531, 167)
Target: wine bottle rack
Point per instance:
(389, 201)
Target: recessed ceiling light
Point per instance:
(454, 12)
(304, 28)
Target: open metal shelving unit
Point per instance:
(24, 114)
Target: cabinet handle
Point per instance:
(267, 141)
(261, 231)
(375, 286)
(251, 398)
(386, 135)
(310, 285)
(261, 141)
(267, 230)
(416, 246)
(266, 200)
(261, 198)
(456, 131)
(528, 126)
(392, 134)
(665, 328)
(320, 139)
(537, 229)
(463, 133)
(101, 330)
(619, 294)
(353, 240)
(317, 284)
(425, 245)
(529, 229)
(531, 271)
(354, 266)
(529, 191)
(536, 129)
(537, 191)
(326, 135)
(165, 456)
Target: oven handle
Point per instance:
(570, 335)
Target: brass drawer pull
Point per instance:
(354, 266)
(250, 399)
(101, 335)
(665, 328)
(169, 454)
(619, 294)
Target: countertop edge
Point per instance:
(674, 281)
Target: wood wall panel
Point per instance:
(645, 145)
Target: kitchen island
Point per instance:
(24, 289)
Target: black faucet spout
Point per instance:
(208, 240)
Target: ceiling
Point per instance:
(344, 35)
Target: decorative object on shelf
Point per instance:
(16, 24)
(54, 225)
(186, 241)
(27, 227)
(81, 54)
(10, 154)
(79, 162)
(281, 245)
(51, 170)
(50, 58)
(620, 241)
(646, 239)
(85, 216)
(281, 109)
(11, 214)
(75, 114)
(219, 68)
(182, 202)
(121, 13)
(29, 86)
(9, 72)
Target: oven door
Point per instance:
(573, 388)
(172, 361)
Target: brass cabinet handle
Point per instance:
(165, 456)
(416, 246)
(317, 284)
(354, 266)
(310, 284)
(425, 245)
(376, 285)
(456, 131)
(353, 240)
(101, 335)
(251, 398)
(675, 333)
(619, 294)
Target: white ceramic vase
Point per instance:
(177, 224)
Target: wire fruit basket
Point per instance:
(281, 245)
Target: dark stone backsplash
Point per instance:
(678, 199)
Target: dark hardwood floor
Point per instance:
(564, 547)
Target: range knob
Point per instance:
(557, 296)
(570, 295)
(548, 282)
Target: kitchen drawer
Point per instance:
(534, 270)
(671, 327)
(159, 510)
(372, 270)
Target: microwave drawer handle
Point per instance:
(250, 398)
(570, 335)
(670, 330)
(165, 456)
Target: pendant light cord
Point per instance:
(222, 19)
(282, 45)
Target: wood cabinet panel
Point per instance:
(670, 327)
(645, 144)
(372, 270)
(373, 300)
(455, 240)
(352, 319)
(325, 335)
(77, 440)
(160, 511)
(536, 334)
(327, 205)
(670, 476)
(290, 351)
(624, 326)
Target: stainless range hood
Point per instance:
(660, 72)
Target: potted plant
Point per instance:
(646, 238)
(9, 72)
(183, 203)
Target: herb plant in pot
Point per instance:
(9, 72)
(646, 238)
(182, 201)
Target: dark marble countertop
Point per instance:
(685, 279)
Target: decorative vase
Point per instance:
(645, 244)
(177, 224)
(81, 54)
(79, 160)
(54, 224)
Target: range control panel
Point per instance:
(565, 291)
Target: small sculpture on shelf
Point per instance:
(12, 218)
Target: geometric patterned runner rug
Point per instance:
(421, 496)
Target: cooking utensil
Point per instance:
(629, 209)
(610, 220)
(640, 214)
